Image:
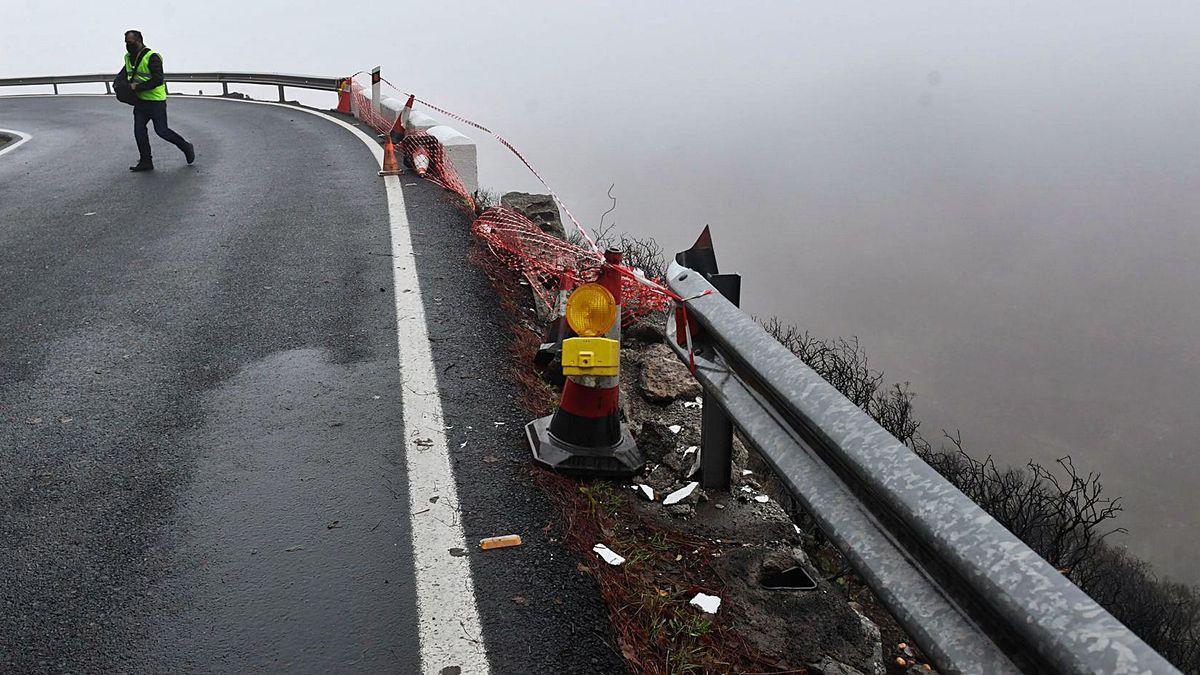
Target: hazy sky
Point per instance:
(998, 198)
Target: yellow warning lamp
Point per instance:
(591, 310)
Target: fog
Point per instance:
(999, 201)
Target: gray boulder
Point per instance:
(540, 209)
(664, 378)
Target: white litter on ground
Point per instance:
(746, 472)
(707, 603)
(675, 428)
(746, 488)
(647, 491)
(690, 449)
(762, 499)
(680, 494)
(607, 554)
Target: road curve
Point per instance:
(201, 427)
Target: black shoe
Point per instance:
(189, 153)
(143, 165)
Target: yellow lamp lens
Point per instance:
(591, 310)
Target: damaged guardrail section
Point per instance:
(972, 595)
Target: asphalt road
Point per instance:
(201, 432)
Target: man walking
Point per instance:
(144, 72)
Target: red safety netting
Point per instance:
(551, 264)
(548, 262)
(440, 169)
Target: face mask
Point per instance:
(132, 49)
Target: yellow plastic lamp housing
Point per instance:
(591, 356)
(591, 310)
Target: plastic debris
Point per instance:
(504, 541)
(690, 449)
(762, 499)
(746, 472)
(707, 603)
(675, 428)
(607, 554)
(647, 491)
(90, 213)
(423, 442)
(746, 488)
(680, 494)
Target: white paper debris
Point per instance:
(746, 472)
(690, 449)
(707, 603)
(797, 528)
(762, 499)
(90, 213)
(675, 428)
(680, 494)
(607, 554)
(647, 491)
(691, 404)
(746, 488)
(499, 424)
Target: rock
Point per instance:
(664, 378)
(649, 330)
(682, 510)
(828, 666)
(540, 209)
(656, 441)
(817, 628)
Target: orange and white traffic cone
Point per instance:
(390, 166)
(585, 435)
(420, 161)
(399, 128)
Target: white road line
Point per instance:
(449, 629)
(21, 139)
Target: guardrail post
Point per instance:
(55, 85)
(107, 87)
(224, 88)
(716, 429)
(281, 99)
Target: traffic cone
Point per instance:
(344, 97)
(399, 128)
(585, 436)
(420, 160)
(390, 166)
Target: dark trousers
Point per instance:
(145, 111)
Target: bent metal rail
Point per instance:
(225, 79)
(969, 592)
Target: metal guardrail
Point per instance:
(969, 592)
(225, 79)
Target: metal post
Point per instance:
(224, 88)
(107, 87)
(55, 89)
(281, 93)
(716, 429)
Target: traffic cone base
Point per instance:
(615, 461)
